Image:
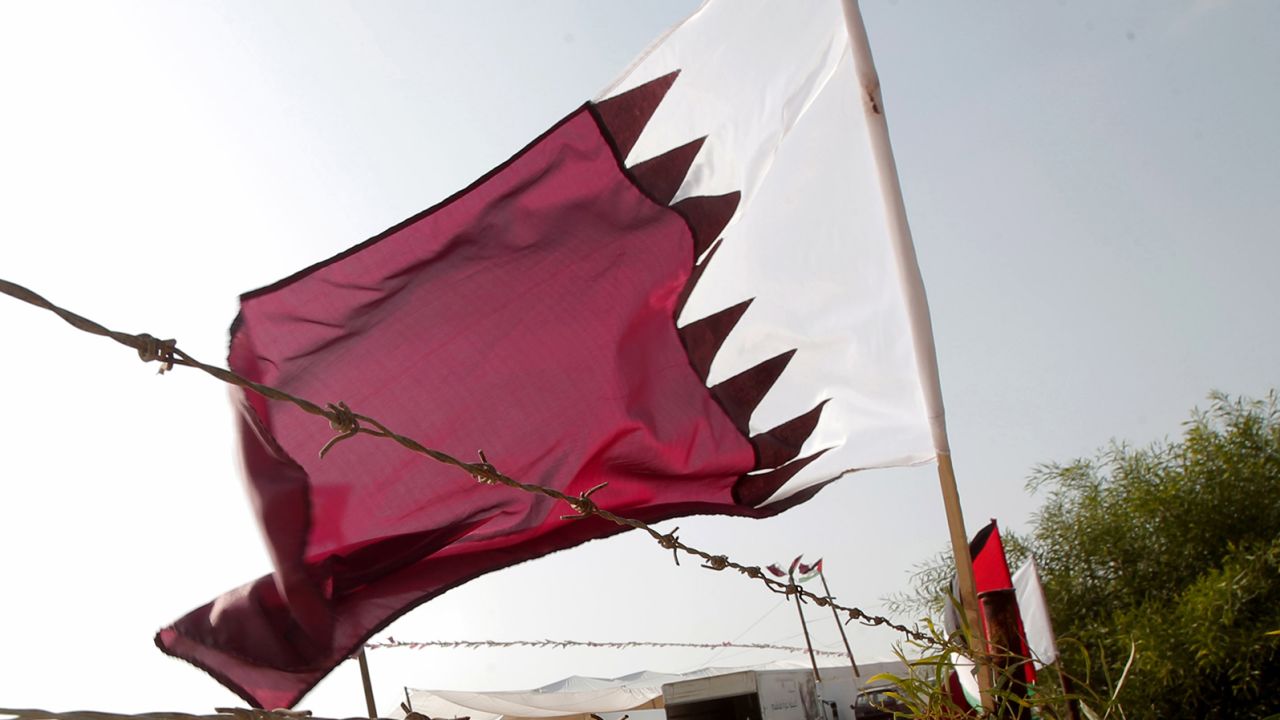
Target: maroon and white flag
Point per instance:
(686, 288)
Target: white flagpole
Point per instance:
(921, 327)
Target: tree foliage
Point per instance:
(1174, 549)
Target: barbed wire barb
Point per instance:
(344, 422)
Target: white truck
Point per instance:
(784, 694)
(746, 695)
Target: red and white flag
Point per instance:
(687, 288)
(990, 572)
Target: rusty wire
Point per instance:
(348, 423)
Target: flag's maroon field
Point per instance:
(532, 316)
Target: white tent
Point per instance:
(575, 695)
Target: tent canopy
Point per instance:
(574, 695)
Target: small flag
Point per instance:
(806, 572)
(809, 572)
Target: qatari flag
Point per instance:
(686, 288)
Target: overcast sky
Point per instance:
(1094, 190)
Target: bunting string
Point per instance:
(390, 643)
(347, 424)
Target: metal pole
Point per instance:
(368, 684)
(813, 660)
(921, 326)
(840, 625)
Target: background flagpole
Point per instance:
(813, 659)
(368, 685)
(921, 329)
(840, 626)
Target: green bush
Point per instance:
(1175, 548)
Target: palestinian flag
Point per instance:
(809, 572)
(991, 572)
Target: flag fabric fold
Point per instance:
(1041, 640)
(683, 289)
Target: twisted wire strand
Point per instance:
(348, 424)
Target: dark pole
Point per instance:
(368, 684)
(840, 625)
(813, 660)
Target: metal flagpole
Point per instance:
(813, 660)
(368, 685)
(921, 329)
(827, 591)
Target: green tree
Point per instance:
(1173, 549)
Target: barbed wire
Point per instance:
(348, 424)
(392, 643)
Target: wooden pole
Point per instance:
(368, 685)
(964, 577)
(840, 625)
(921, 327)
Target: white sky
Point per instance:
(1093, 188)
